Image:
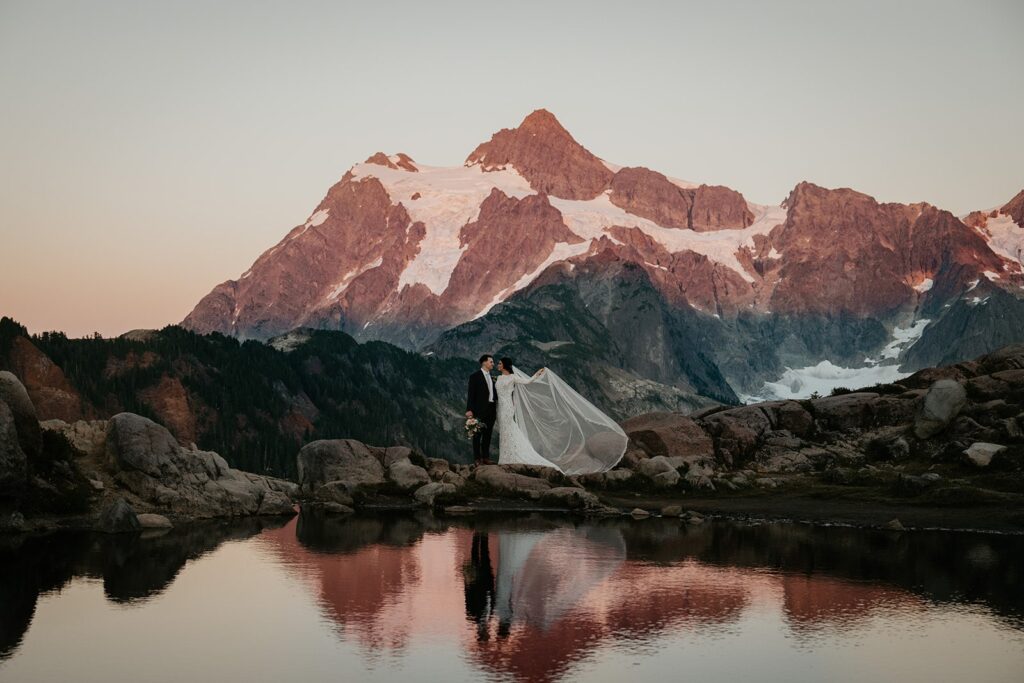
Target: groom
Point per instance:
(481, 403)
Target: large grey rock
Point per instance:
(942, 403)
(669, 434)
(345, 460)
(13, 462)
(407, 476)
(118, 517)
(846, 411)
(428, 492)
(147, 461)
(980, 454)
(13, 393)
(137, 443)
(499, 479)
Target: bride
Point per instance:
(543, 421)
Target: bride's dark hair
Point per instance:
(506, 363)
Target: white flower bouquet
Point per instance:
(474, 427)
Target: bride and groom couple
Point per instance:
(541, 420)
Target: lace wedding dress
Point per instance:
(543, 421)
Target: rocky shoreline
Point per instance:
(943, 448)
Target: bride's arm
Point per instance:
(521, 380)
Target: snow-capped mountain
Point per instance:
(404, 252)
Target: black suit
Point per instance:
(484, 409)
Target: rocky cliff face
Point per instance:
(403, 252)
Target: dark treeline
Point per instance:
(256, 405)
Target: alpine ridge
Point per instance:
(404, 252)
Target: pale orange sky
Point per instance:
(149, 151)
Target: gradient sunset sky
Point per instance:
(150, 150)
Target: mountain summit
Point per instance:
(401, 251)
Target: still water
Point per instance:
(417, 598)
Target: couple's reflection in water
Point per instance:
(479, 577)
(535, 577)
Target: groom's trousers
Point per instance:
(482, 439)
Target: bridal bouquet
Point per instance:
(474, 427)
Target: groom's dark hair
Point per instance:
(485, 357)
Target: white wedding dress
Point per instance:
(543, 421)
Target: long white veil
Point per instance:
(566, 428)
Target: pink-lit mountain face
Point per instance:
(401, 251)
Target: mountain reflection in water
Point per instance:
(540, 599)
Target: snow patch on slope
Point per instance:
(800, 383)
(448, 199)
(1005, 238)
(340, 287)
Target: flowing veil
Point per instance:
(566, 428)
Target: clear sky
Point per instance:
(150, 150)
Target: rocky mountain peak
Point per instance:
(544, 153)
(1015, 208)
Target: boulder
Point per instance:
(118, 517)
(654, 466)
(345, 460)
(13, 462)
(150, 520)
(407, 476)
(13, 393)
(436, 467)
(794, 418)
(453, 478)
(942, 403)
(499, 479)
(146, 460)
(393, 454)
(428, 492)
(639, 513)
(846, 411)
(569, 497)
(617, 477)
(669, 434)
(980, 454)
(672, 511)
(137, 443)
(766, 483)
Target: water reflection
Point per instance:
(539, 599)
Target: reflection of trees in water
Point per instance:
(133, 567)
(940, 566)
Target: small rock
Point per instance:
(980, 454)
(428, 492)
(617, 477)
(153, 521)
(407, 476)
(118, 517)
(453, 478)
(894, 525)
(655, 466)
(931, 477)
(459, 510)
(671, 510)
(639, 513)
(694, 517)
(766, 483)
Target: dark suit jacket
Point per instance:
(476, 400)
